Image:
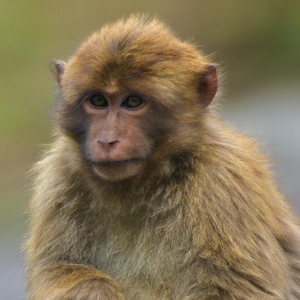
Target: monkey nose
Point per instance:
(107, 144)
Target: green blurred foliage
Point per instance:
(256, 42)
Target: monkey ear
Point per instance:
(208, 85)
(60, 68)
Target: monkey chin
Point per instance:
(115, 172)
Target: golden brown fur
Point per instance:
(201, 219)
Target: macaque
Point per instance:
(145, 194)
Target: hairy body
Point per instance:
(158, 200)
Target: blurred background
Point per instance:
(256, 42)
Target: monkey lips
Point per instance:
(116, 170)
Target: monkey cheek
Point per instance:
(119, 172)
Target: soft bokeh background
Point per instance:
(256, 42)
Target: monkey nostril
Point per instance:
(113, 142)
(105, 141)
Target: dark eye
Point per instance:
(132, 101)
(98, 101)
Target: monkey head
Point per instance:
(133, 95)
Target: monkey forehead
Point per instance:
(131, 50)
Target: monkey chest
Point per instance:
(146, 266)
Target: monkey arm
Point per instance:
(52, 272)
(53, 278)
(67, 281)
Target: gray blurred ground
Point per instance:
(272, 115)
(11, 268)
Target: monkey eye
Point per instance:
(98, 101)
(132, 101)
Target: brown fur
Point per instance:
(201, 219)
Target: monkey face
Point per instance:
(117, 145)
(120, 130)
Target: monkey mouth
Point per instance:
(108, 163)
